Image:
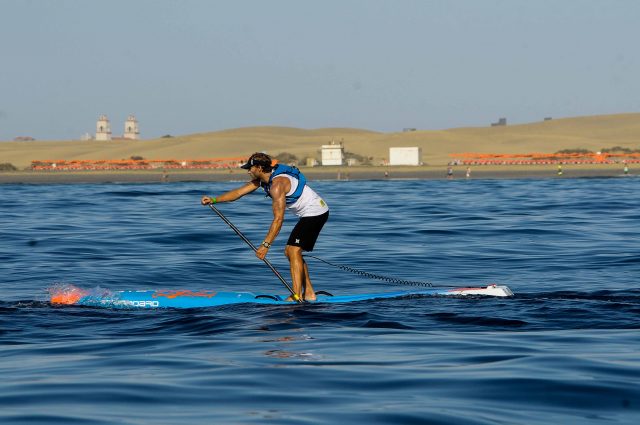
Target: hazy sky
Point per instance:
(192, 66)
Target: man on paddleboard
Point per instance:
(287, 187)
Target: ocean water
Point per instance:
(564, 350)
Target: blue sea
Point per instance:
(564, 350)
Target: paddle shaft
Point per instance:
(248, 242)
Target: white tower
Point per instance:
(103, 128)
(332, 154)
(131, 130)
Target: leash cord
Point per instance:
(387, 279)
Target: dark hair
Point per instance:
(263, 160)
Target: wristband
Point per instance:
(214, 200)
(266, 244)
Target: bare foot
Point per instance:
(290, 299)
(310, 296)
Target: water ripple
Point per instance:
(563, 350)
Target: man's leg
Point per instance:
(309, 293)
(297, 268)
(303, 236)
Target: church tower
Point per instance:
(103, 128)
(131, 130)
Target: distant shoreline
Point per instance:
(319, 173)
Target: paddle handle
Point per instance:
(253, 247)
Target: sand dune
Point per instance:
(592, 132)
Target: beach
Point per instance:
(513, 147)
(320, 173)
(369, 148)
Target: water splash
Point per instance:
(69, 294)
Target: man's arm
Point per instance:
(231, 195)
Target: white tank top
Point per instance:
(310, 204)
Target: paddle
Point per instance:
(248, 242)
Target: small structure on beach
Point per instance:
(332, 154)
(501, 122)
(131, 130)
(405, 156)
(103, 128)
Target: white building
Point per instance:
(103, 128)
(131, 130)
(332, 154)
(405, 156)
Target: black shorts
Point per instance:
(306, 231)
